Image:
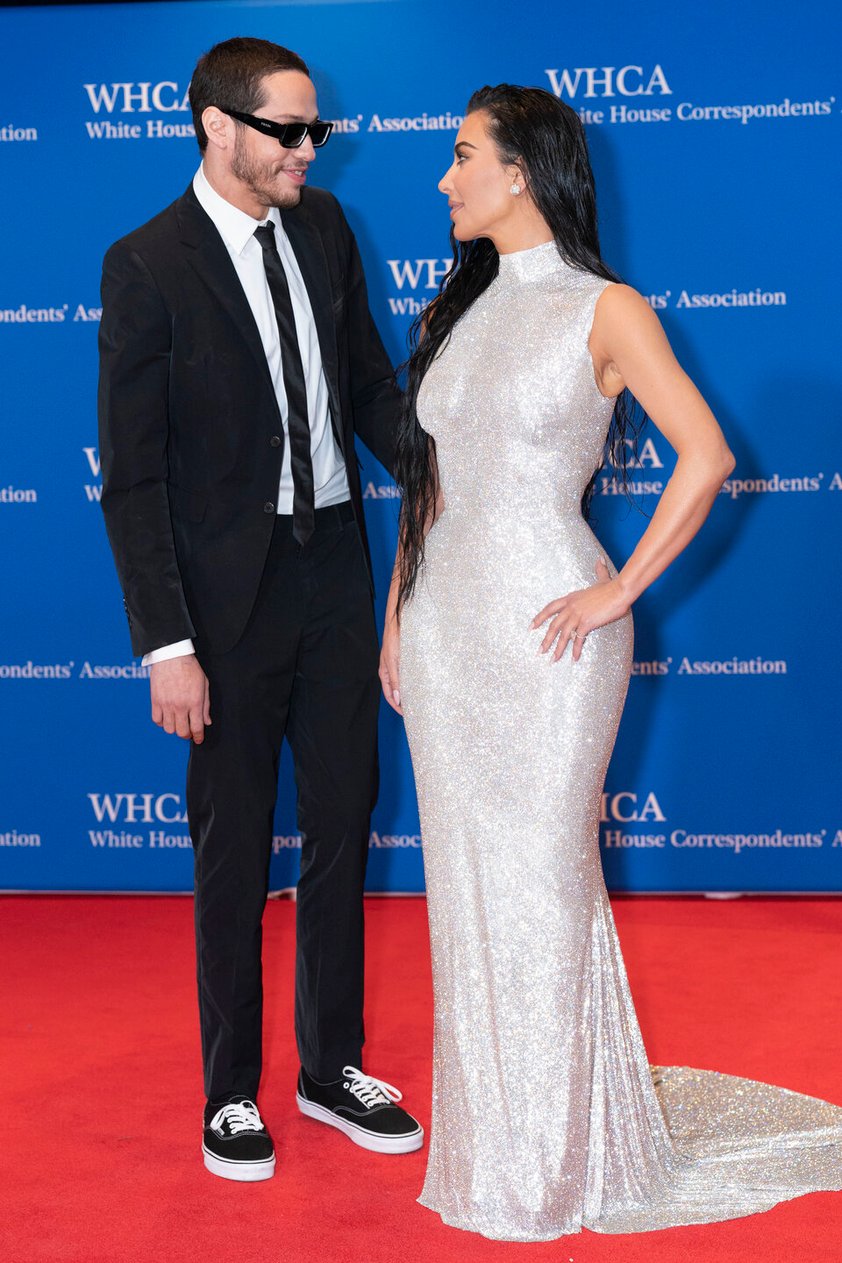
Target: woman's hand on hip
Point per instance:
(571, 617)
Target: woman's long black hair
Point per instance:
(542, 135)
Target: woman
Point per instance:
(507, 647)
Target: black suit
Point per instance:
(188, 412)
(191, 444)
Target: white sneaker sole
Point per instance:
(365, 1139)
(246, 1172)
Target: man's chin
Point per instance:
(284, 195)
(288, 202)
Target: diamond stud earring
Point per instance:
(514, 190)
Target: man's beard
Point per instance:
(261, 178)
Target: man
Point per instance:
(238, 360)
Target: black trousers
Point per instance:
(305, 669)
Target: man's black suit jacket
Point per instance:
(191, 439)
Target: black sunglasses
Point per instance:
(290, 135)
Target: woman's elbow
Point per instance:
(727, 465)
(710, 467)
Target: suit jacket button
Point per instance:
(275, 440)
(268, 507)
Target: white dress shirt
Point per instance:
(236, 228)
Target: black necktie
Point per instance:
(303, 502)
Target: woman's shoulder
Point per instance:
(621, 301)
(623, 318)
(621, 305)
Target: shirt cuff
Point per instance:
(180, 649)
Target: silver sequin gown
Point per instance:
(546, 1114)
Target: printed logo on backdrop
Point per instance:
(415, 283)
(23, 314)
(380, 491)
(722, 300)
(30, 670)
(111, 103)
(18, 495)
(164, 98)
(115, 107)
(157, 822)
(424, 122)
(87, 670)
(657, 668)
(120, 110)
(117, 816)
(11, 837)
(593, 81)
(26, 315)
(93, 490)
(632, 821)
(581, 83)
(14, 135)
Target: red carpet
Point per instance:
(101, 1084)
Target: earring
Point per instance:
(514, 190)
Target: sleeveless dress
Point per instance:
(547, 1116)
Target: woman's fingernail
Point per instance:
(397, 697)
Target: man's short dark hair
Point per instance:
(232, 74)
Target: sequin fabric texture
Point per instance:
(547, 1116)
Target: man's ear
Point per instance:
(218, 127)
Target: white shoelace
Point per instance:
(239, 1115)
(368, 1090)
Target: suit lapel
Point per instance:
(309, 251)
(210, 259)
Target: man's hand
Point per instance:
(181, 697)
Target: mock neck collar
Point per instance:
(532, 264)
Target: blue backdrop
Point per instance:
(712, 130)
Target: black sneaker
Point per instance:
(363, 1108)
(236, 1145)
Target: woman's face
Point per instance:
(477, 185)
